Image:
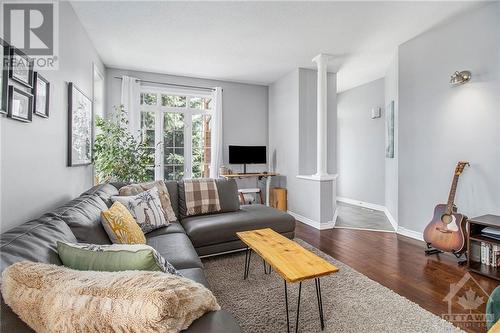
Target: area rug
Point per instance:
(351, 301)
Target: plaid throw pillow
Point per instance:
(201, 196)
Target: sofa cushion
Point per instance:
(177, 249)
(83, 216)
(121, 226)
(146, 208)
(172, 228)
(164, 196)
(220, 228)
(35, 240)
(195, 274)
(113, 258)
(228, 196)
(214, 322)
(172, 192)
(103, 191)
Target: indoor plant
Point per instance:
(118, 155)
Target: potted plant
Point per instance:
(118, 155)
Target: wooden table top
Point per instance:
(255, 174)
(289, 259)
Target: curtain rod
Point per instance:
(171, 84)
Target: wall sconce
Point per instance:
(459, 78)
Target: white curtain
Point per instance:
(131, 102)
(216, 142)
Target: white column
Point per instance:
(321, 61)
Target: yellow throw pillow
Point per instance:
(121, 226)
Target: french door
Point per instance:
(176, 127)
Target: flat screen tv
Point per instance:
(247, 155)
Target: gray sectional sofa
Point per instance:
(182, 243)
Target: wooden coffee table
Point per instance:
(290, 260)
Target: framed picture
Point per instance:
(41, 92)
(79, 127)
(389, 125)
(20, 105)
(21, 68)
(4, 55)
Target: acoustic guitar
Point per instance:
(447, 230)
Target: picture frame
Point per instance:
(389, 125)
(4, 65)
(80, 127)
(20, 105)
(41, 93)
(21, 68)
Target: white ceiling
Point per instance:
(257, 42)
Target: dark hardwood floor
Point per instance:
(399, 263)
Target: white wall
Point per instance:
(34, 174)
(361, 144)
(308, 113)
(440, 125)
(391, 164)
(245, 116)
(292, 139)
(284, 131)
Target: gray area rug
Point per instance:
(351, 301)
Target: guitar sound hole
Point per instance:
(446, 219)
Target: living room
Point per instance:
(194, 166)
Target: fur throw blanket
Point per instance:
(52, 298)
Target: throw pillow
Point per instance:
(121, 226)
(52, 298)
(166, 204)
(146, 209)
(201, 196)
(113, 258)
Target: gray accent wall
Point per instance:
(361, 144)
(34, 175)
(440, 125)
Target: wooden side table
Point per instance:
(476, 225)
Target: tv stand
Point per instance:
(267, 175)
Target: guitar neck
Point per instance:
(451, 196)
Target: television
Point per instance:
(247, 155)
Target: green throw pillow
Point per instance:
(113, 258)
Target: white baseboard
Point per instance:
(391, 218)
(373, 206)
(410, 233)
(312, 223)
(335, 215)
(361, 204)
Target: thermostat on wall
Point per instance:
(376, 112)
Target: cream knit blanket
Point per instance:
(52, 298)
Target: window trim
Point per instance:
(159, 111)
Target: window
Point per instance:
(176, 127)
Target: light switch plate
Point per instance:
(376, 112)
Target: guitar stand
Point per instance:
(430, 251)
(461, 262)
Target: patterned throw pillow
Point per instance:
(146, 209)
(166, 204)
(201, 196)
(113, 258)
(120, 225)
